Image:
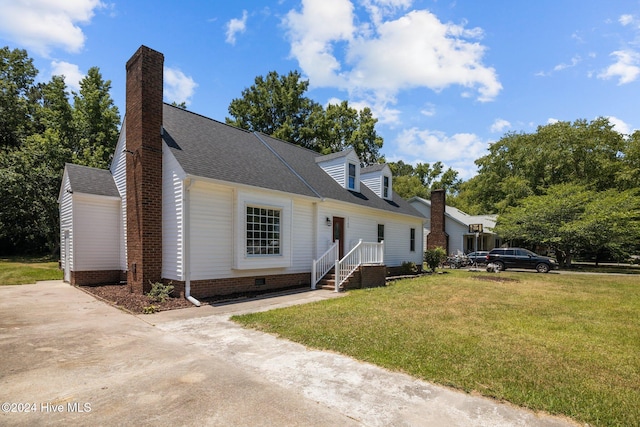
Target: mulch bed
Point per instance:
(120, 296)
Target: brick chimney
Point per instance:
(144, 168)
(438, 236)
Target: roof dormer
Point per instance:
(343, 167)
(379, 179)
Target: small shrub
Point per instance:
(434, 257)
(149, 309)
(408, 267)
(160, 292)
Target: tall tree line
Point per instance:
(570, 187)
(43, 126)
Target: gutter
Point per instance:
(187, 246)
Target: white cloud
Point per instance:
(551, 121)
(378, 9)
(41, 25)
(626, 20)
(626, 68)
(429, 110)
(378, 59)
(458, 151)
(499, 125)
(236, 26)
(620, 126)
(177, 86)
(574, 61)
(71, 72)
(311, 33)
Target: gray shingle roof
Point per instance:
(84, 179)
(372, 168)
(211, 149)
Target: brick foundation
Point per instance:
(217, 287)
(102, 277)
(373, 276)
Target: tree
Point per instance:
(520, 164)
(40, 132)
(276, 106)
(409, 181)
(17, 74)
(30, 177)
(96, 120)
(570, 219)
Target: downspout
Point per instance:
(187, 243)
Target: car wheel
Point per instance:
(542, 268)
(499, 265)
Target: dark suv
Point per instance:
(504, 258)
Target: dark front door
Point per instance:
(338, 233)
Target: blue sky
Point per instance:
(444, 78)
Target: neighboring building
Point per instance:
(218, 210)
(451, 228)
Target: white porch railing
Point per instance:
(322, 265)
(362, 253)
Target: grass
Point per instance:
(24, 270)
(565, 344)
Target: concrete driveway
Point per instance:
(67, 358)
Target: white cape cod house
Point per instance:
(218, 210)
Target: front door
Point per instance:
(338, 234)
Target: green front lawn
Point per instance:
(566, 344)
(20, 271)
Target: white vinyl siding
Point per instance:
(217, 233)
(302, 238)
(375, 182)
(362, 223)
(210, 231)
(66, 222)
(96, 237)
(338, 169)
(119, 172)
(172, 217)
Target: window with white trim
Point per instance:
(385, 187)
(352, 176)
(263, 231)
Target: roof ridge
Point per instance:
(288, 165)
(205, 117)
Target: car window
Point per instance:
(509, 252)
(522, 252)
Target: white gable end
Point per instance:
(343, 168)
(379, 181)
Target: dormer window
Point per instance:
(343, 167)
(352, 176)
(385, 187)
(379, 179)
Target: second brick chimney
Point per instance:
(438, 235)
(144, 168)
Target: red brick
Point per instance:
(438, 235)
(144, 168)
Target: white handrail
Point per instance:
(322, 265)
(362, 253)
